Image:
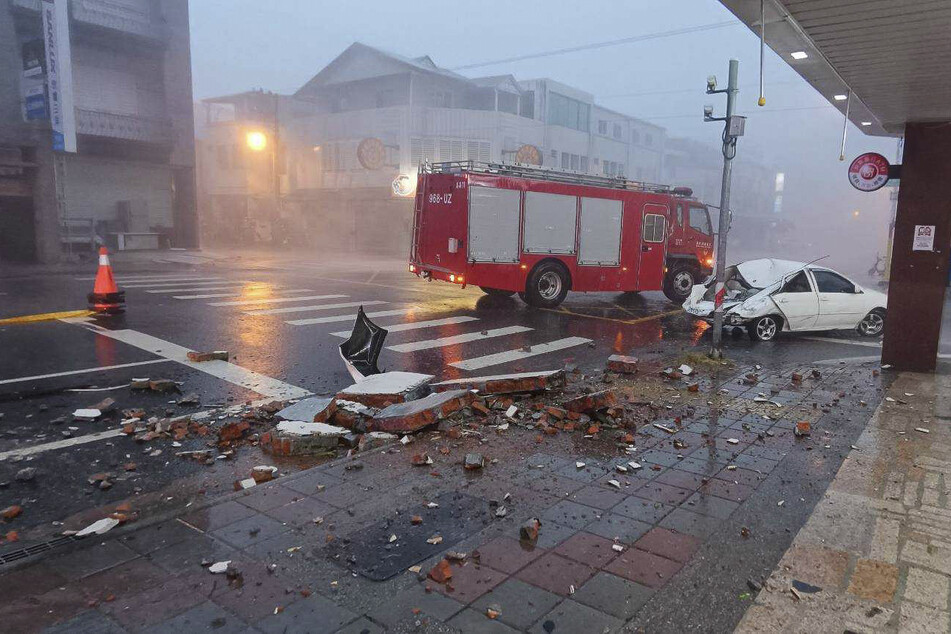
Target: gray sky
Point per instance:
(279, 44)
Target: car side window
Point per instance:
(829, 282)
(680, 215)
(798, 283)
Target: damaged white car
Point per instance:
(769, 296)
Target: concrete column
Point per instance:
(918, 278)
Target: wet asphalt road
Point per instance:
(163, 310)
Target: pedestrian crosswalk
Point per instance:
(472, 348)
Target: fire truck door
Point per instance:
(650, 266)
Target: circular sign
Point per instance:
(529, 155)
(869, 172)
(371, 154)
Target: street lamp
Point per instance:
(256, 140)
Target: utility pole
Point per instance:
(733, 128)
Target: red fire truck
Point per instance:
(540, 232)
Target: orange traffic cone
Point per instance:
(106, 296)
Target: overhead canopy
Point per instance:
(894, 55)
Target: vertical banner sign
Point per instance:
(59, 74)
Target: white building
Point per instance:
(354, 135)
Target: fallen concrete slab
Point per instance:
(505, 383)
(414, 415)
(388, 388)
(308, 409)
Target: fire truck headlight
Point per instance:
(452, 277)
(412, 268)
(709, 261)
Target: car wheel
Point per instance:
(547, 285)
(765, 328)
(873, 324)
(679, 281)
(496, 292)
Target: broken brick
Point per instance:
(230, 432)
(622, 364)
(529, 530)
(415, 415)
(803, 428)
(592, 402)
(163, 385)
(11, 512)
(796, 377)
(200, 357)
(473, 461)
(441, 572)
(421, 460)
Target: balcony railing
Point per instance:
(118, 126)
(131, 18)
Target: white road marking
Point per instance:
(432, 323)
(457, 339)
(60, 444)
(350, 318)
(232, 294)
(103, 368)
(202, 282)
(249, 379)
(274, 300)
(213, 286)
(304, 309)
(152, 278)
(188, 289)
(514, 355)
(848, 342)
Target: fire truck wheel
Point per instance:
(496, 292)
(547, 285)
(679, 281)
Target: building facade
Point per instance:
(130, 183)
(349, 143)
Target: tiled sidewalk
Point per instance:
(678, 511)
(879, 544)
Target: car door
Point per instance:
(798, 301)
(840, 305)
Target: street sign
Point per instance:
(869, 172)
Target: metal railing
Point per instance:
(536, 172)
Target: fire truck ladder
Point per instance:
(535, 172)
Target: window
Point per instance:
(597, 162)
(620, 169)
(680, 215)
(700, 220)
(565, 161)
(654, 225)
(385, 98)
(798, 283)
(602, 127)
(528, 104)
(554, 157)
(440, 99)
(648, 139)
(568, 112)
(575, 162)
(635, 136)
(829, 282)
(222, 157)
(584, 163)
(617, 130)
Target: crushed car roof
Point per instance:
(763, 272)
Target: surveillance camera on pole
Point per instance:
(734, 127)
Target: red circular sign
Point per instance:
(869, 172)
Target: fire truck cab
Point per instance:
(540, 232)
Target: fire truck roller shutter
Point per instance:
(550, 221)
(600, 239)
(493, 224)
